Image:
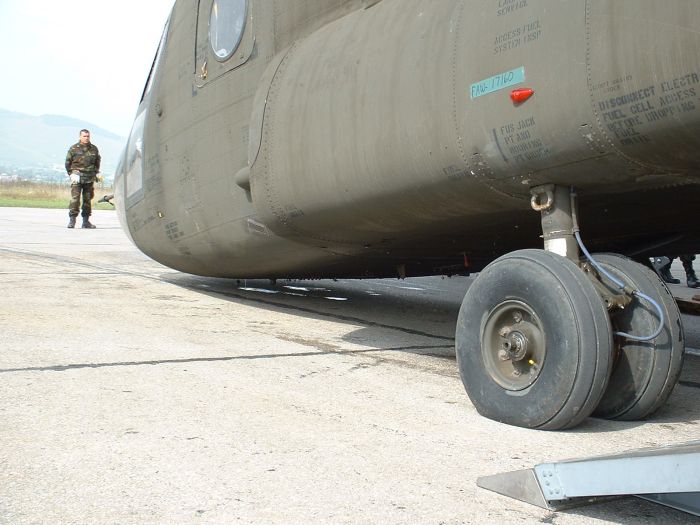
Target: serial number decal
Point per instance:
(497, 82)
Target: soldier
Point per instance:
(82, 165)
(662, 265)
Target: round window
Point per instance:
(226, 25)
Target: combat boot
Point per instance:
(662, 265)
(71, 222)
(88, 224)
(690, 276)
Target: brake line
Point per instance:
(617, 282)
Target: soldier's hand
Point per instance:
(99, 177)
(74, 178)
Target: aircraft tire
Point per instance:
(557, 336)
(644, 373)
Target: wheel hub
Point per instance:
(514, 346)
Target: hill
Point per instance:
(30, 142)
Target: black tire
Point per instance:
(566, 369)
(644, 373)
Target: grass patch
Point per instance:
(28, 194)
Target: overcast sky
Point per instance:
(84, 59)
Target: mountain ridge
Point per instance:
(29, 141)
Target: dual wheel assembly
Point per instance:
(537, 347)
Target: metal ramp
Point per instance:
(666, 475)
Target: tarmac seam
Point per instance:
(76, 366)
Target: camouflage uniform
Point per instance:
(86, 160)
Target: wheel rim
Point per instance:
(513, 344)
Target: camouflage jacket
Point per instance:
(85, 159)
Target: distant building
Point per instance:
(6, 178)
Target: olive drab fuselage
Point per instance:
(379, 138)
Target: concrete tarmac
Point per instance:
(132, 393)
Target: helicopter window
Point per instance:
(226, 25)
(156, 61)
(134, 157)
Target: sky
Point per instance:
(83, 59)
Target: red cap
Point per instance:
(520, 95)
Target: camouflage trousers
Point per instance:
(87, 189)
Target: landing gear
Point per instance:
(534, 342)
(644, 372)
